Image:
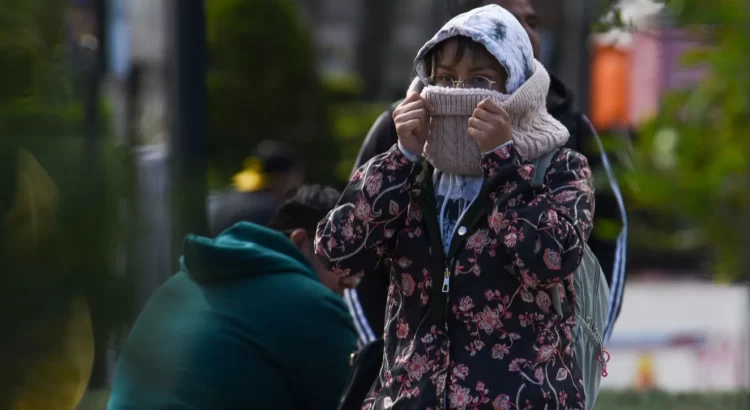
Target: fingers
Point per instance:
(479, 124)
(412, 102)
(484, 115)
(419, 113)
(409, 127)
(478, 135)
(490, 106)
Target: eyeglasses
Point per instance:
(446, 81)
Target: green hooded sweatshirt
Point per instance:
(245, 324)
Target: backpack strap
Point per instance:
(541, 165)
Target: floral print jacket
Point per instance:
(473, 329)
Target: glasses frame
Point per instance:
(460, 83)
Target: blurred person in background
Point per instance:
(258, 189)
(47, 342)
(473, 250)
(367, 301)
(246, 323)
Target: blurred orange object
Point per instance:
(610, 87)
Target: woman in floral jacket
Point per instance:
(473, 251)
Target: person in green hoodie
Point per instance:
(245, 324)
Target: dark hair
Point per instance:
(463, 44)
(456, 7)
(303, 208)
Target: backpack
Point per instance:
(592, 305)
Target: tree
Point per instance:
(691, 160)
(263, 84)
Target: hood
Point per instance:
(244, 250)
(496, 29)
(559, 98)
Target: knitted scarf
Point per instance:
(451, 149)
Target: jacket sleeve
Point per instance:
(380, 139)
(356, 234)
(543, 235)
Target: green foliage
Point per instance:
(36, 92)
(629, 400)
(690, 161)
(351, 119)
(263, 85)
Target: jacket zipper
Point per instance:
(427, 193)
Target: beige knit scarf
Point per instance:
(451, 149)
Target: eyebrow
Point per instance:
(445, 67)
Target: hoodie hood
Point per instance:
(498, 31)
(559, 98)
(244, 250)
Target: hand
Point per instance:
(412, 122)
(489, 125)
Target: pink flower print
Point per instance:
(466, 304)
(543, 301)
(511, 239)
(407, 284)
(509, 187)
(565, 196)
(461, 371)
(402, 329)
(388, 378)
(373, 184)
(502, 402)
(338, 272)
(459, 397)
(563, 396)
(427, 338)
(489, 295)
(525, 172)
(562, 374)
(552, 259)
(416, 367)
(517, 364)
(478, 240)
(331, 243)
(552, 219)
(545, 354)
(362, 208)
(480, 386)
(539, 374)
(488, 320)
(503, 152)
(499, 351)
(347, 232)
(393, 208)
(403, 262)
(526, 296)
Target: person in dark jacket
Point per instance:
(475, 254)
(367, 302)
(245, 324)
(257, 190)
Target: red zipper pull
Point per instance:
(603, 358)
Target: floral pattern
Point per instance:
(505, 346)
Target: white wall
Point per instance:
(697, 334)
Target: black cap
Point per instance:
(276, 157)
